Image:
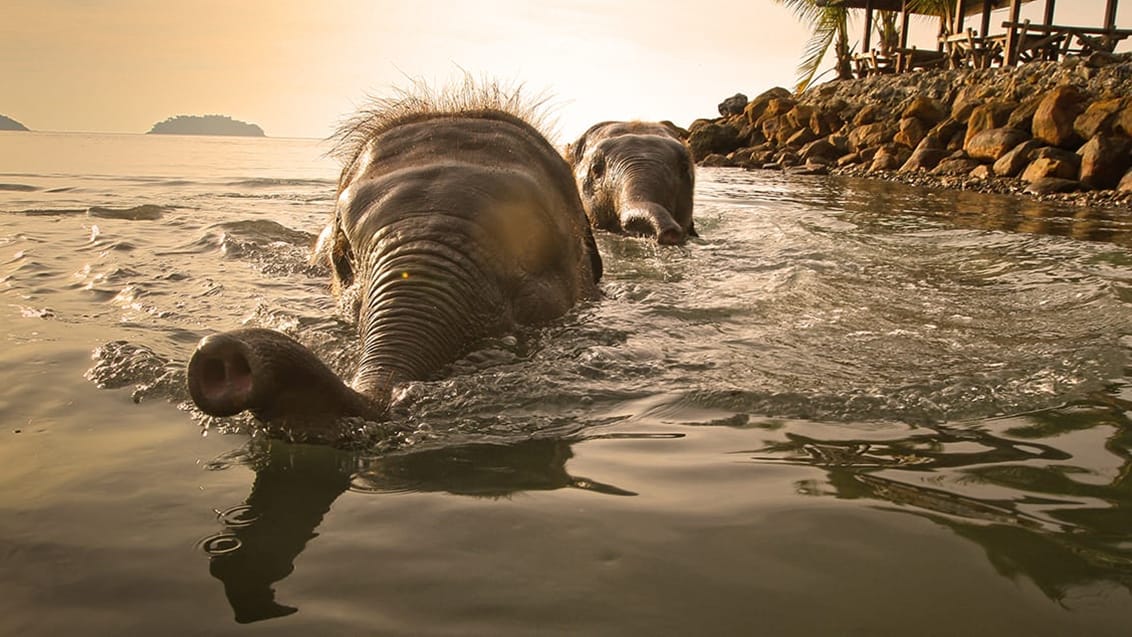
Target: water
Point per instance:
(850, 408)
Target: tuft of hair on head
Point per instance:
(419, 100)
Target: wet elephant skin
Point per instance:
(637, 178)
(451, 225)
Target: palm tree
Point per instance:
(829, 27)
(828, 20)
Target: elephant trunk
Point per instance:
(640, 211)
(650, 218)
(419, 314)
(274, 377)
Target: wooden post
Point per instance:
(904, 24)
(1012, 35)
(984, 26)
(866, 45)
(957, 24)
(1049, 11)
(1110, 15)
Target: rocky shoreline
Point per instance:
(1059, 131)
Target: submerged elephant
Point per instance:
(636, 177)
(455, 220)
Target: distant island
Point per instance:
(205, 125)
(7, 123)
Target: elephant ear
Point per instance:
(577, 150)
(677, 132)
(595, 257)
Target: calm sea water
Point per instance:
(850, 408)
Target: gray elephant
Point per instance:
(455, 220)
(636, 177)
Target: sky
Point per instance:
(298, 68)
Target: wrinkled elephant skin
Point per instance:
(636, 177)
(452, 224)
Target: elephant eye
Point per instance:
(597, 168)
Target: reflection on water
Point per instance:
(295, 486)
(1015, 486)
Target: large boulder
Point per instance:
(800, 115)
(1125, 184)
(1049, 166)
(990, 145)
(1051, 185)
(925, 109)
(1104, 160)
(707, 137)
(825, 122)
(988, 116)
(1015, 161)
(1056, 114)
(1023, 116)
(890, 157)
(955, 166)
(756, 107)
(871, 135)
(912, 131)
(733, 105)
(870, 114)
(1100, 117)
(924, 158)
(820, 149)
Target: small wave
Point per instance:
(268, 182)
(144, 212)
(48, 212)
(18, 187)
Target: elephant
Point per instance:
(636, 177)
(455, 220)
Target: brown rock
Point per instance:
(990, 145)
(1053, 121)
(841, 143)
(801, 137)
(868, 115)
(955, 166)
(923, 159)
(1043, 167)
(925, 109)
(818, 150)
(771, 125)
(1125, 184)
(756, 107)
(1123, 123)
(1050, 185)
(1015, 161)
(987, 116)
(982, 173)
(1104, 160)
(824, 123)
(706, 138)
(800, 115)
(716, 160)
(1023, 117)
(889, 157)
(848, 160)
(912, 132)
(870, 135)
(964, 103)
(1099, 118)
(779, 106)
(733, 105)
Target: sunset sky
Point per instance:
(297, 68)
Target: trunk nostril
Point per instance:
(670, 237)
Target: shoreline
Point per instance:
(1045, 131)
